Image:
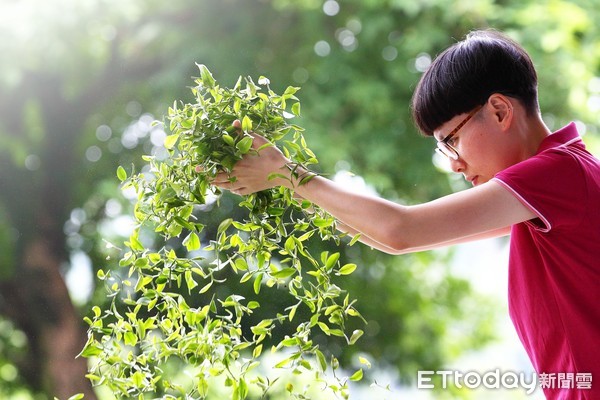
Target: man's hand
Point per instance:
(258, 169)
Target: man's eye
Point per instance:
(452, 141)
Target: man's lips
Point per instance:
(472, 179)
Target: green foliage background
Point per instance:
(70, 67)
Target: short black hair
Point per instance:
(467, 73)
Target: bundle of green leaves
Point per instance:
(163, 322)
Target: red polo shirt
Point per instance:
(554, 265)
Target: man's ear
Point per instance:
(502, 109)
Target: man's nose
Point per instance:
(457, 165)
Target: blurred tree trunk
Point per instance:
(38, 302)
(33, 293)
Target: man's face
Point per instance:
(473, 145)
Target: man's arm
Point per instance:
(376, 245)
(471, 214)
(484, 211)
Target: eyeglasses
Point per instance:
(444, 147)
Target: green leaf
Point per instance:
(121, 173)
(237, 105)
(134, 242)
(347, 269)
(291, 90)
(192, 242)
(355, 239)
(130, 338)
(326, 330)
(244, 145)
(224, 225)
(92, 377)
(258, 282)
(262, 328)
(170, 141)
(97, 311)
(355, 336)
(357, 376)
(292, 312)
(206, 287)
(138, 379)
(296, 109)
(331, 260)
(289, 342)
(101, 275)
(202, 387)
(321, 360)
(189, 280)
(364, 361)
(284, 273)
(228, 139)
(323, 222)
(246, 124)
(91, 349)
(257, 351)
(290, 245)
(284, 362)
(206, 76)
(241, 264)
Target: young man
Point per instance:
(479, 100)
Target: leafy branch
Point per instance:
(268, 250)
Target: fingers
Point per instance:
(225, 180)
(227, 184)
(250, 173)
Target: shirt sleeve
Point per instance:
(551, 184)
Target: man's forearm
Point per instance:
(370, 216)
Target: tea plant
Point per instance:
(268, 250)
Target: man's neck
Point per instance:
(532, 131)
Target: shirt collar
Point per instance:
(562, 137)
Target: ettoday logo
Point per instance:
(495, 379)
